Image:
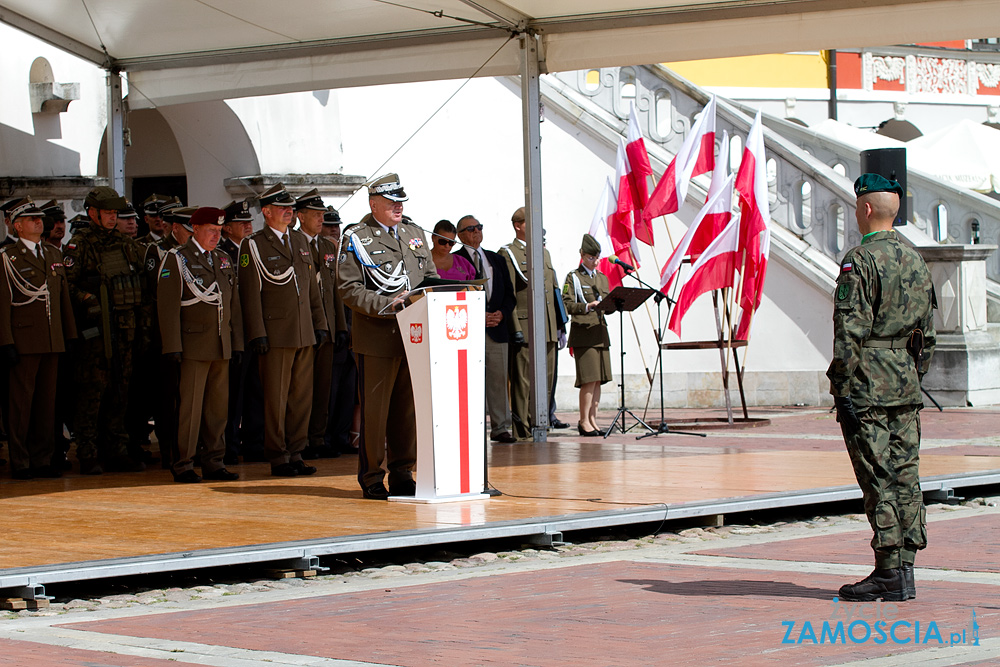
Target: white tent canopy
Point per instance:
(966, 154)
(191, 50)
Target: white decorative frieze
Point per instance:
(881, 68)
(937, 75)
(986, 75)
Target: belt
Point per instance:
(897, 343)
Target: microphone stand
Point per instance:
(658, 298)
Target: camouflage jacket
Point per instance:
(884, 292)
(96, 257)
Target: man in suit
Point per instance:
(381, 259)
(309, 208)
(500, 303)
(283, 318)
(36, 320)
(516, 255)
(201, 328)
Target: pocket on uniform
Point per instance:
(276, 314)
(194, 328)
(23, 325)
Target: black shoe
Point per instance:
(310, 453)
(588, 434)
(404, 488)
(46, 472)
(222, 475)
(187, 477)
(888, 585)
(231, 459)
(61, 462)
(255, 457)
(90, 467)
(284, 470)
(303, 469)
(911, 586)
(375, 492)
(21, 473)
(558, 424)
(504, 438)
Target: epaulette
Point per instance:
(353, 228)
(255, 234)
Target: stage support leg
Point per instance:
(116, 133)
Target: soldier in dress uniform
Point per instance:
(157, 399)
(152, 213)
(245, 428)
(55, 231)
(201, 328)
(309, 208)
(36, 319)
(516, 254)
(283, 318)
(883, 340)
(238, 225)
(343, 404)
(103, 267)
(588, 334)
(381, 258)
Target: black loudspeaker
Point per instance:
(891, 163)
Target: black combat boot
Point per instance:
(911, 586)
(888, 585)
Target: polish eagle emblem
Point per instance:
(416, 333)
(456, 320)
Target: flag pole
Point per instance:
(736, 294)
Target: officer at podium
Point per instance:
(381, 258)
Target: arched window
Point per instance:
(840, 231)
(626, 85)
(735, 152)
(592, 80)
(664, 113)
(941, 223)
(803, 212)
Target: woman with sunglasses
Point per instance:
(449, 265)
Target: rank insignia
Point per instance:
(244, 260)
(416, 242)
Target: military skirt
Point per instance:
(593, 364)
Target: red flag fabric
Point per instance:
(620, 223)
(743, 331)
(715, 269)
(696, 156)
(751, 183)
(641, 170)
(718, 208)
(716, 220)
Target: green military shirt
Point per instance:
(588, 329)
(883, 293)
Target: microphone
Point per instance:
(627, 267)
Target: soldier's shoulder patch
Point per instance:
(843, 291)
(847, 266)
(70, 246)
(244, 259)
(68, 260)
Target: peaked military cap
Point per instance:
(311, 201)
(518, 215)
(154, 203)
(79, 220)
(238, 211)
(387, 186)
(331, 217)
(868, 183)
(590, 246)
(21, 208)
(128, 212)
(105, 199)
(206, 215)
(52, 209)
(276, 195)
(181, 215)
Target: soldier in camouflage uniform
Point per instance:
(884, 338)
(103, 267)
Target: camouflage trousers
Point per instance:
(101, 399)
(885, 454)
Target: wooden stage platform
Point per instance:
(89, 527)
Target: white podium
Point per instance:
(444, 334)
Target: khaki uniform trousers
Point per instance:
(204, 410)
(322, 387)
(520, 387)
(31, 418)
(497, 404)
(388, 421)
(286, 373)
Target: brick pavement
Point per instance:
(25, 653)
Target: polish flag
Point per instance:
(620, 223)
(716, 219)
(606, 208)
(743, 331)
(751, 184)
(638, 159)
(715, 269)
(696, 156)
(718, 207)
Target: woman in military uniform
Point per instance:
(584, 288)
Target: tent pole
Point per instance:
(116, 132)
(531, 119)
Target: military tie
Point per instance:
(208, 256)
(315, 251)
(38, 251)
(286, 243)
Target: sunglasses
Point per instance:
(445, 242)
(472, 228)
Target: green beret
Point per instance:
(105, 199)
(868, 183)
(590, 246)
